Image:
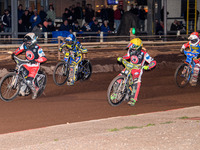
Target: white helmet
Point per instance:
(30, 39)
(194, 38)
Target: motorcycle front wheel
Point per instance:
(117, 90)
(182, 75)
(9, 87)
(60, 74)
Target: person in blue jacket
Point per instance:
(35, 19)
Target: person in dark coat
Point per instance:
(66, 15)
(25, 20)
(21, 28)
(20, 11)
(89, 13)
(95, 26)
(76, 27)
(128, 21)
(65, 26)
(142, 16)
(42, 14)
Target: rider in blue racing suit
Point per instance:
(194, 45)
(76, 51)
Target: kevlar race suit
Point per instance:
(36, 56)
(138, 57)
(76, 51)
(194, 49)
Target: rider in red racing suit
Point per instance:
(35, 55)
(138, 56)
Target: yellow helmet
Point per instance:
(135, 43)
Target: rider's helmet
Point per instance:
(135, 44)
(194, 38)
(70, 40)
(30, 39)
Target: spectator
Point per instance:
(76, 27)
(142, 16)
(134, 9)
(110, 18)
(1, 27)
(89, 13)
(117, 18)
(30, 11)
(42, 14)
(6, 18)
(66, 15)
(121, 10)
(162, 14)
(35, 19)
(159, 28)
(104, 13)
(20, 11)
(73, 15)
(51, 13)
(79, 13)
(174, 26)
(105, 27)
(95, 27)
(92, 21)
(26, 20)
(50, 26)
(65, 26)
(21, 28)
(86, 27)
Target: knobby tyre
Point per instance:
(117, 90)
(60, 74)
(9, 87)
(182, 75)
(87, 70)
(44, 82)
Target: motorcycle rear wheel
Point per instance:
(9, 88)
(41, 90)
(86, 70)
(117, 90)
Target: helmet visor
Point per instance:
(193, 41)
(69, 42)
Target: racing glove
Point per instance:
(146, 67)
(13, 54)
(119, 59)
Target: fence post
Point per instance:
(59, 39)
(45, 37)
(101, 37)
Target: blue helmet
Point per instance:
(70, 40)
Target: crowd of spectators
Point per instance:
(78, 19)
(74, 19)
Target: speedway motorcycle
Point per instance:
(118, 90)
(65, 71)
(185, 70)
(14, 83)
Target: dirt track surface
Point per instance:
(87, 100)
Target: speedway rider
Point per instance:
(137, 55)
(35, 55)
(194, 45)
(76, 50)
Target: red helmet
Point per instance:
(194, 38)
